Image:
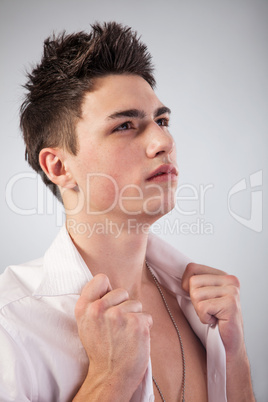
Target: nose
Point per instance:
(160, 141)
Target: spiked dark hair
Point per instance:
(56, 87)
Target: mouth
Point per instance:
(164, 173)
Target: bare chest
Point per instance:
(167, 352)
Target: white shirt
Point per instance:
(41, 356)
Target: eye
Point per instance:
(124, 126)
(163, 122)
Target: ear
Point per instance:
(52, 162)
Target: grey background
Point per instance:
(211, 69)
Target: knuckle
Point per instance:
(138, 305)
(194, 293)
(203, 319)
(192, 282)
(115, 316)
(146, 331)
(101, 277)
(134, 320)
(149, 321)
(234, 300)
(124, 293)
(79, 308)
(199, 307)
(201, 312)
(191, 268)
(236, 292)
(139, 323)
(234, 281)
(96, 309)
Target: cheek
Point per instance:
(101, 188)
(100, 192)
(97, 185)
(107, 176)
(103, 193)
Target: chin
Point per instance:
(155, 210)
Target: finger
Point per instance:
(207, 292)
(129, 306)
(197, 269)
(207, 280)
(148, 320)
(212, 292)
(207, 311)
(119, 314)
(96, 288)
(143, 320)
(221, 309)
(114, 298)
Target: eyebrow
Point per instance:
(161, 110)
(136, 113)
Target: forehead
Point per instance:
(119, 92)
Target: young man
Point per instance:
(110, 313)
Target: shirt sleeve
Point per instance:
(16, 373)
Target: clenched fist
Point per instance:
(215, 296)
(116, 336)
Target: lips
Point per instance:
(163, 172)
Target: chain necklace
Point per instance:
(179, 336)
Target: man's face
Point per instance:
(123, 139)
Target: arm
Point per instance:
(116, 336)
(215, 296)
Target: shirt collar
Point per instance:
(65, 271)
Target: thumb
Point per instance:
(96, 288)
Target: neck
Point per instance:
(114, 248)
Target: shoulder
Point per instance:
(17, 372)
(18, 281)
